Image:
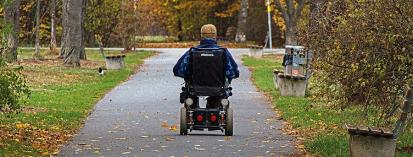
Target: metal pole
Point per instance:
(269, 23)
(135, 30)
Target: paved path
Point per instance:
(135, 119)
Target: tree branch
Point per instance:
(280, 8)
(301, 4)
(290, 7)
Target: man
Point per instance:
(208, 40)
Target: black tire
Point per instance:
(230, 122)
(183, 130)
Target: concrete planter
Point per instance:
(291, 85)
(370, 142)
(115, 62)
(256, 51)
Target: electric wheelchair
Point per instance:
(206, 79)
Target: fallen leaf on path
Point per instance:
(124, 153)
(200, 149)
(170, 139)
(173, 128)
(82, 144)
(164, 124)
(120, 138)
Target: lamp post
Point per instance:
(135, 31)
(269, 23)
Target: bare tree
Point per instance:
(37, 44)
(72, 48)
(53, 44)
(291, 12)
(11, 16)
(242, 22)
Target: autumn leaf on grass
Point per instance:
(173, 128)
(300, 146)
(20, 126)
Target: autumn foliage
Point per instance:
(363, 57)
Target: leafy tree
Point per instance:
(12, 84)
(102, 16)
(186, 17)
(11, 17)
(363, 57)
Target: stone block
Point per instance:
(256, 51)
(115, 62)
(291, 85)
(372, 146)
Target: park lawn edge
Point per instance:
(319, 130)
(58, 120)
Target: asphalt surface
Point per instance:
(139, 117)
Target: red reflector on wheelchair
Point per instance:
(213, 118)
(199, 118)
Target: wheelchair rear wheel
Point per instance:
(183, 130)
(230, 123)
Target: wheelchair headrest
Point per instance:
(207, 67)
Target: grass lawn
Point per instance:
(320, 127)
(62, 98)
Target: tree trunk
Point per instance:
(72, 38)
(83, 52)
(53, 27)
(11, 17)
(290, 36)
(291, 12)
(37, 44)
(242, 22)
(406, 109)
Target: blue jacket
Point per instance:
(231, 68)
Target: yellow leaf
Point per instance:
(20, 126)
(173, 128)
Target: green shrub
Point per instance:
(13, 88)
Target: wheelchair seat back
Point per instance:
(207, 73)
